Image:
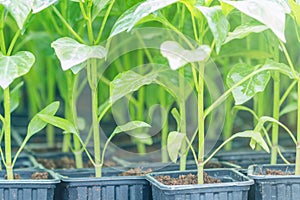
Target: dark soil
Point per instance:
(211, 165)
(136, 172)
(67, 163)
(16, 176)
(40, 175)
(273, 172)
(189, 179)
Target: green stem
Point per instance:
(228, 124)
(183, 119)
(140, 115)
(2, 38)
(276, 110)
(165, 128)
(201, 130)
(51, 96)
(7, 137)
(297, 170)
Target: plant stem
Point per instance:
(228, 124)
(165, 128)
(7, 137)
(51, 96)
(297, 170)
(183, 119)
(276, 110)
(201, 136)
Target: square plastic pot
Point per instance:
(234, 186)
(27, 188)
(274, 187)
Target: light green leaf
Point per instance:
(99, 5)
(174, 143)
(269, 12)
(127, 20)
(179, 57)
(217, 23)
(249, 88)
(59, 122)
(130, 126)
(72, 53)
(39, 5)
(36, 124)
(12, 67)
(15, 97)
(19, 9)
(295, 6)
(245, 30)
(289, 108)
(256, 137)
(280, 67)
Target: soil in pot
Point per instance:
(273, 172)
(34, 176)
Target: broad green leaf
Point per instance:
(289, 108)
(280, 67)
(19, 9)
(249, 88)
(269, 12)
(12, 67)
(99, 5)
(295, 6)
(59, 122)
(255, 136)
(244, 30)
(15, 97)
(36, 124)
(128, 82)
(226, 8)
(130, 126)
(127, 20)
(179, 57)
(217, 23)
(39, 5)
(174, 143)
(72, 53)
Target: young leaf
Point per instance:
(12, 67)
(39, 5)
(295, 10)
(19, 9)
(174, 143)
(244, 30)
(71, 53)
(130, 126)
(269, 12)
(249, 88)
(136, 13)
(59, 122)
(217, 23)
(255, 136)
(179, 57)
(36, 124)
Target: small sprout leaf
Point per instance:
(174, 143)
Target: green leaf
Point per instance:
(130, 126)
(15, 97)
(72, 53)
(249, 88)
(177, 117)
(269, 12)
(256, 137)
(245, 30)
(36, 124)
(174, 143)
(99, 5)
(19, 9)
(289, 108)
(12, 67)
(39, 5)
(127, 20)
(59, 122)
(179, 57)
(217, 23)
(295, 10)
(280, 67)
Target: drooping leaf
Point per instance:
(133, 15)
(178, 56)
(295, 10)
(281, 67)
(217, 23)
(59, 122)
(269, 12)
(72, 53)
(174, 143)
(130, 126)
(36, 124)
(249, 88)
(18, 9)
(12, 67)
(244, 30)
(15, 97)
(256, 137)
(39, 5)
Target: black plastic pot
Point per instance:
(234, 186)
(27, 188)
(81, 185)
(276, 187)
